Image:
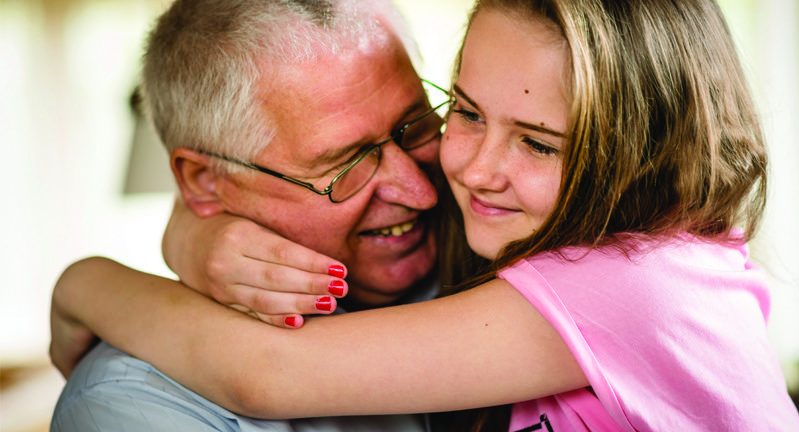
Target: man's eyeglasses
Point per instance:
(415, 133)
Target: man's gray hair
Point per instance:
(204, 57)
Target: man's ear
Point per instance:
(197, 181)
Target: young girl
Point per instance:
(602, 154)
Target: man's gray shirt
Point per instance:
(112, 391)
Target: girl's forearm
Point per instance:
(151, 318)
(483, 347)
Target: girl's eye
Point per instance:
(539, 147)
(466, 115)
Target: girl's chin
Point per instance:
(485, 249)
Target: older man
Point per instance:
(306, 117)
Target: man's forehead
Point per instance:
(336, 151)
(339, 136)
(329, 108)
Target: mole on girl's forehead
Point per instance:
(526, 91)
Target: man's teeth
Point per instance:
(396, 230)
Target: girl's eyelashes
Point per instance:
(539, 147)
(471, 117)
(465, 114)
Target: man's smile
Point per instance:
(393, 230)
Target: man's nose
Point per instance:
(401, 181)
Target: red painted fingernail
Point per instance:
(324, 304)
(337, 270)
(291, 321)
(336, 287)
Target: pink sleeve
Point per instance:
(674, 338)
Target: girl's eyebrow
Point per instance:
(462, 94)
(538, 128)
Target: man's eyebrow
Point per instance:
(336, 154)
(536, 127)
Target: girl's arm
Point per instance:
(482, 347)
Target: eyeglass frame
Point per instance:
(396, 135)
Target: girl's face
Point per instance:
(503, 147)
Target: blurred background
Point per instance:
(82, 178)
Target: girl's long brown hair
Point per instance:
(663, 138)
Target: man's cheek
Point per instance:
(426, 155)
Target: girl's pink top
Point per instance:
(671, 336)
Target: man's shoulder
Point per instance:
(110, 390)
(111, 370)
(109, 387)
(106, 364)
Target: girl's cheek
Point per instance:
(447, 154)
(456, 151)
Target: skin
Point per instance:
(335, 105)
(482, 347)
(504, 141)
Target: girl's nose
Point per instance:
(484, 170)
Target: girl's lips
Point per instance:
(487, 209)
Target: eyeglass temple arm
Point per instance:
(265, 170)
(435, 85)
(306, 185)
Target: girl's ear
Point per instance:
(197, 181)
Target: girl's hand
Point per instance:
(250, 268)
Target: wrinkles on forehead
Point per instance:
(325, 110)
(333, 155)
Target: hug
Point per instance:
(555, 241)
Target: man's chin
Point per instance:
(364, 298)
(381, 283)
(381, 291)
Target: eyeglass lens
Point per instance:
(422, 131)
(415, 134)
(358, 176)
